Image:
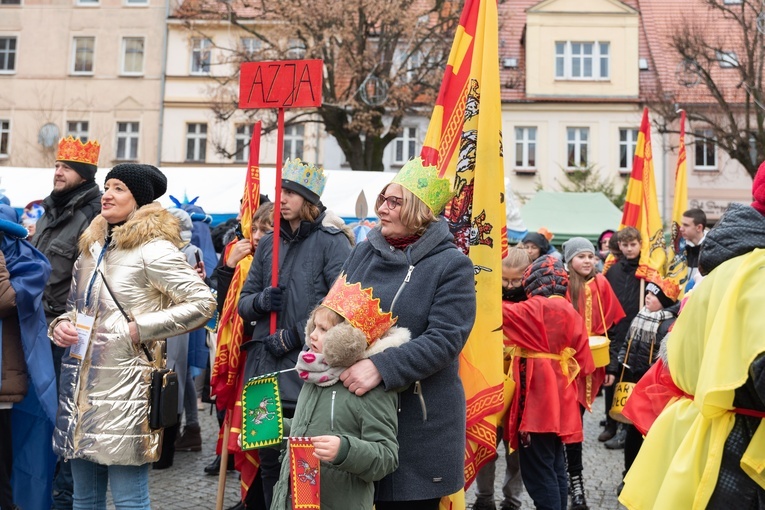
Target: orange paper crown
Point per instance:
(359, 307)
(72, 149)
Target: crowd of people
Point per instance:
(100, 291)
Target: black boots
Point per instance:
(576, 489)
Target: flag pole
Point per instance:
(277, 207)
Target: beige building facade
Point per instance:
(89, 68)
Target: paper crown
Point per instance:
(72, 149)
(425, 183)
(307, 175)
(359, 307)
(669, 287)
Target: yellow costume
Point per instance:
(714, 341)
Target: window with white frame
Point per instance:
(627, 146)
(582, 60)
(251, 45)
(405, 146)
(132, 55)
(5, 137)
(705, 150)
(727, 58)
(525, 147)
(577, 145)
(295, 49)
(83, 50)
(200, 56)
(243, 137)
(412, 62)
(10, 2)
(293, 141)
(77, 129)
(136, 2)
(127, 141)
(7, 55)
(89, 3)
(196, 142)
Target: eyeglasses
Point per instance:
(391, 201)
(512, 283)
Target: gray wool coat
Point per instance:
(438, 306)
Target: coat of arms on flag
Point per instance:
(304, 474)
(262, 419)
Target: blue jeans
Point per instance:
(129, 486)
(543, 470)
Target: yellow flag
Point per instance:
(464, 140)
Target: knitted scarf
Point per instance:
(402, 242)
(645, 325)
(312, 368)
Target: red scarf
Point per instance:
(402, 242)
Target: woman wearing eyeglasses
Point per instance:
(415, 269)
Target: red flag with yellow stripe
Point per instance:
(677, 263)
(226, 379)
(464, 140)
(641, 209)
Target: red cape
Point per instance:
(546, 325)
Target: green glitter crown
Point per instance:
(425, 183)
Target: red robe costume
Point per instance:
(542, 329)
(601, 310)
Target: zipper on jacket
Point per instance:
(418, 391)
(398, 405)
(332, 412)
(403, 284)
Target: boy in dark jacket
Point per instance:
(647, 330)
(626, 286)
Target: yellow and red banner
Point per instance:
(464, 140)
(677, 263)
(641, 209)
(226, 378)
(223, 381)
(304, 474)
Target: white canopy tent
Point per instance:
(218, 188)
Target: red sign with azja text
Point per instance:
(280, 84)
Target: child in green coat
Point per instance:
(353, 436)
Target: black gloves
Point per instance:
(281, 342)
(270, 300)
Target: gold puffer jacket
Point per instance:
(103, 412)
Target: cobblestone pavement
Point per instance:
(185, 485)
(602, 468)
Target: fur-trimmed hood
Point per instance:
(147, 223)
(331, 219)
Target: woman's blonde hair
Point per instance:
(517, 258)
(415, 215)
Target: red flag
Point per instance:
(304, 474)
(231, 328)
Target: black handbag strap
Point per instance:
(124, 314)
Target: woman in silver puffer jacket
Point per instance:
(102, 425)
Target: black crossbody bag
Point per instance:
(163, 397)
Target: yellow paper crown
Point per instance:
(425, 183)
(72, 149)
(359, 307)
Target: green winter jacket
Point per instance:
(367, 427)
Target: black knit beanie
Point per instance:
(656, 291)
(539, 241)
(145, 182)
(84, 170)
